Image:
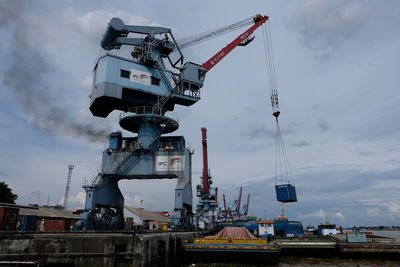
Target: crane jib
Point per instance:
(214, 60)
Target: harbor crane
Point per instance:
(207, 209)
(145, 88)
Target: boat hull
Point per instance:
(231, 253)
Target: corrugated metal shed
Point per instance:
(148, 215)
(42, 212)
(48, 212)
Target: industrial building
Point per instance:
(149, 220)
(36, 218)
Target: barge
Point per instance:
(232, 244)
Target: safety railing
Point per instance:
(181, 91)
(148, 110)
(172, 146)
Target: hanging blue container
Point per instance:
(285, 193)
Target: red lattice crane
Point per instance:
(242, 40)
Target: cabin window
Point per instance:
(125, 74)
(113, 145)
(194, 86)
(155, 81)
(201, 74)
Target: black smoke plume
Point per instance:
(26, 75)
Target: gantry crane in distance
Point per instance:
(235, 212)
(146, 90)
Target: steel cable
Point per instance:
(282, 165)
(204, 36)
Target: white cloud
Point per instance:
(337, 215)
(324, 25)
(86, 83)
(321, 214)
(93, 23)
(135, 201)
(372, 212)
(79, 198)
(394, 209)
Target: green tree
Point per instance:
(6, 194)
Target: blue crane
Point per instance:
(145, 88)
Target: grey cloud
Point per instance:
(393, 161)
(259, 131)
(301, 144)
(323, 125)
(324, 25)
(363, 152)
(27, 76)
(10, 12)
(378, 127)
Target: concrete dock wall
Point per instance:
(93, 249)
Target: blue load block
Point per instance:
(285, 193)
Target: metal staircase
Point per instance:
(126, 163)
(163, 99)
(146, 55)
(129, 161)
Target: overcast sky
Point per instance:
(338, 76)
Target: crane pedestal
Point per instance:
(146, 156)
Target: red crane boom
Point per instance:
(223, 196)
(206, 184)
(242, 39)
(239, 200)
(247, 205)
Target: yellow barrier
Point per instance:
(228, 247)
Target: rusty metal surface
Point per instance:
(94, 248)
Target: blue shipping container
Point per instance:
(286, 193)
(26, 223)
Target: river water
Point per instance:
(392, 234)
(335, 262)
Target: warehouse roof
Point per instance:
(46, 212)
(148, 215)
